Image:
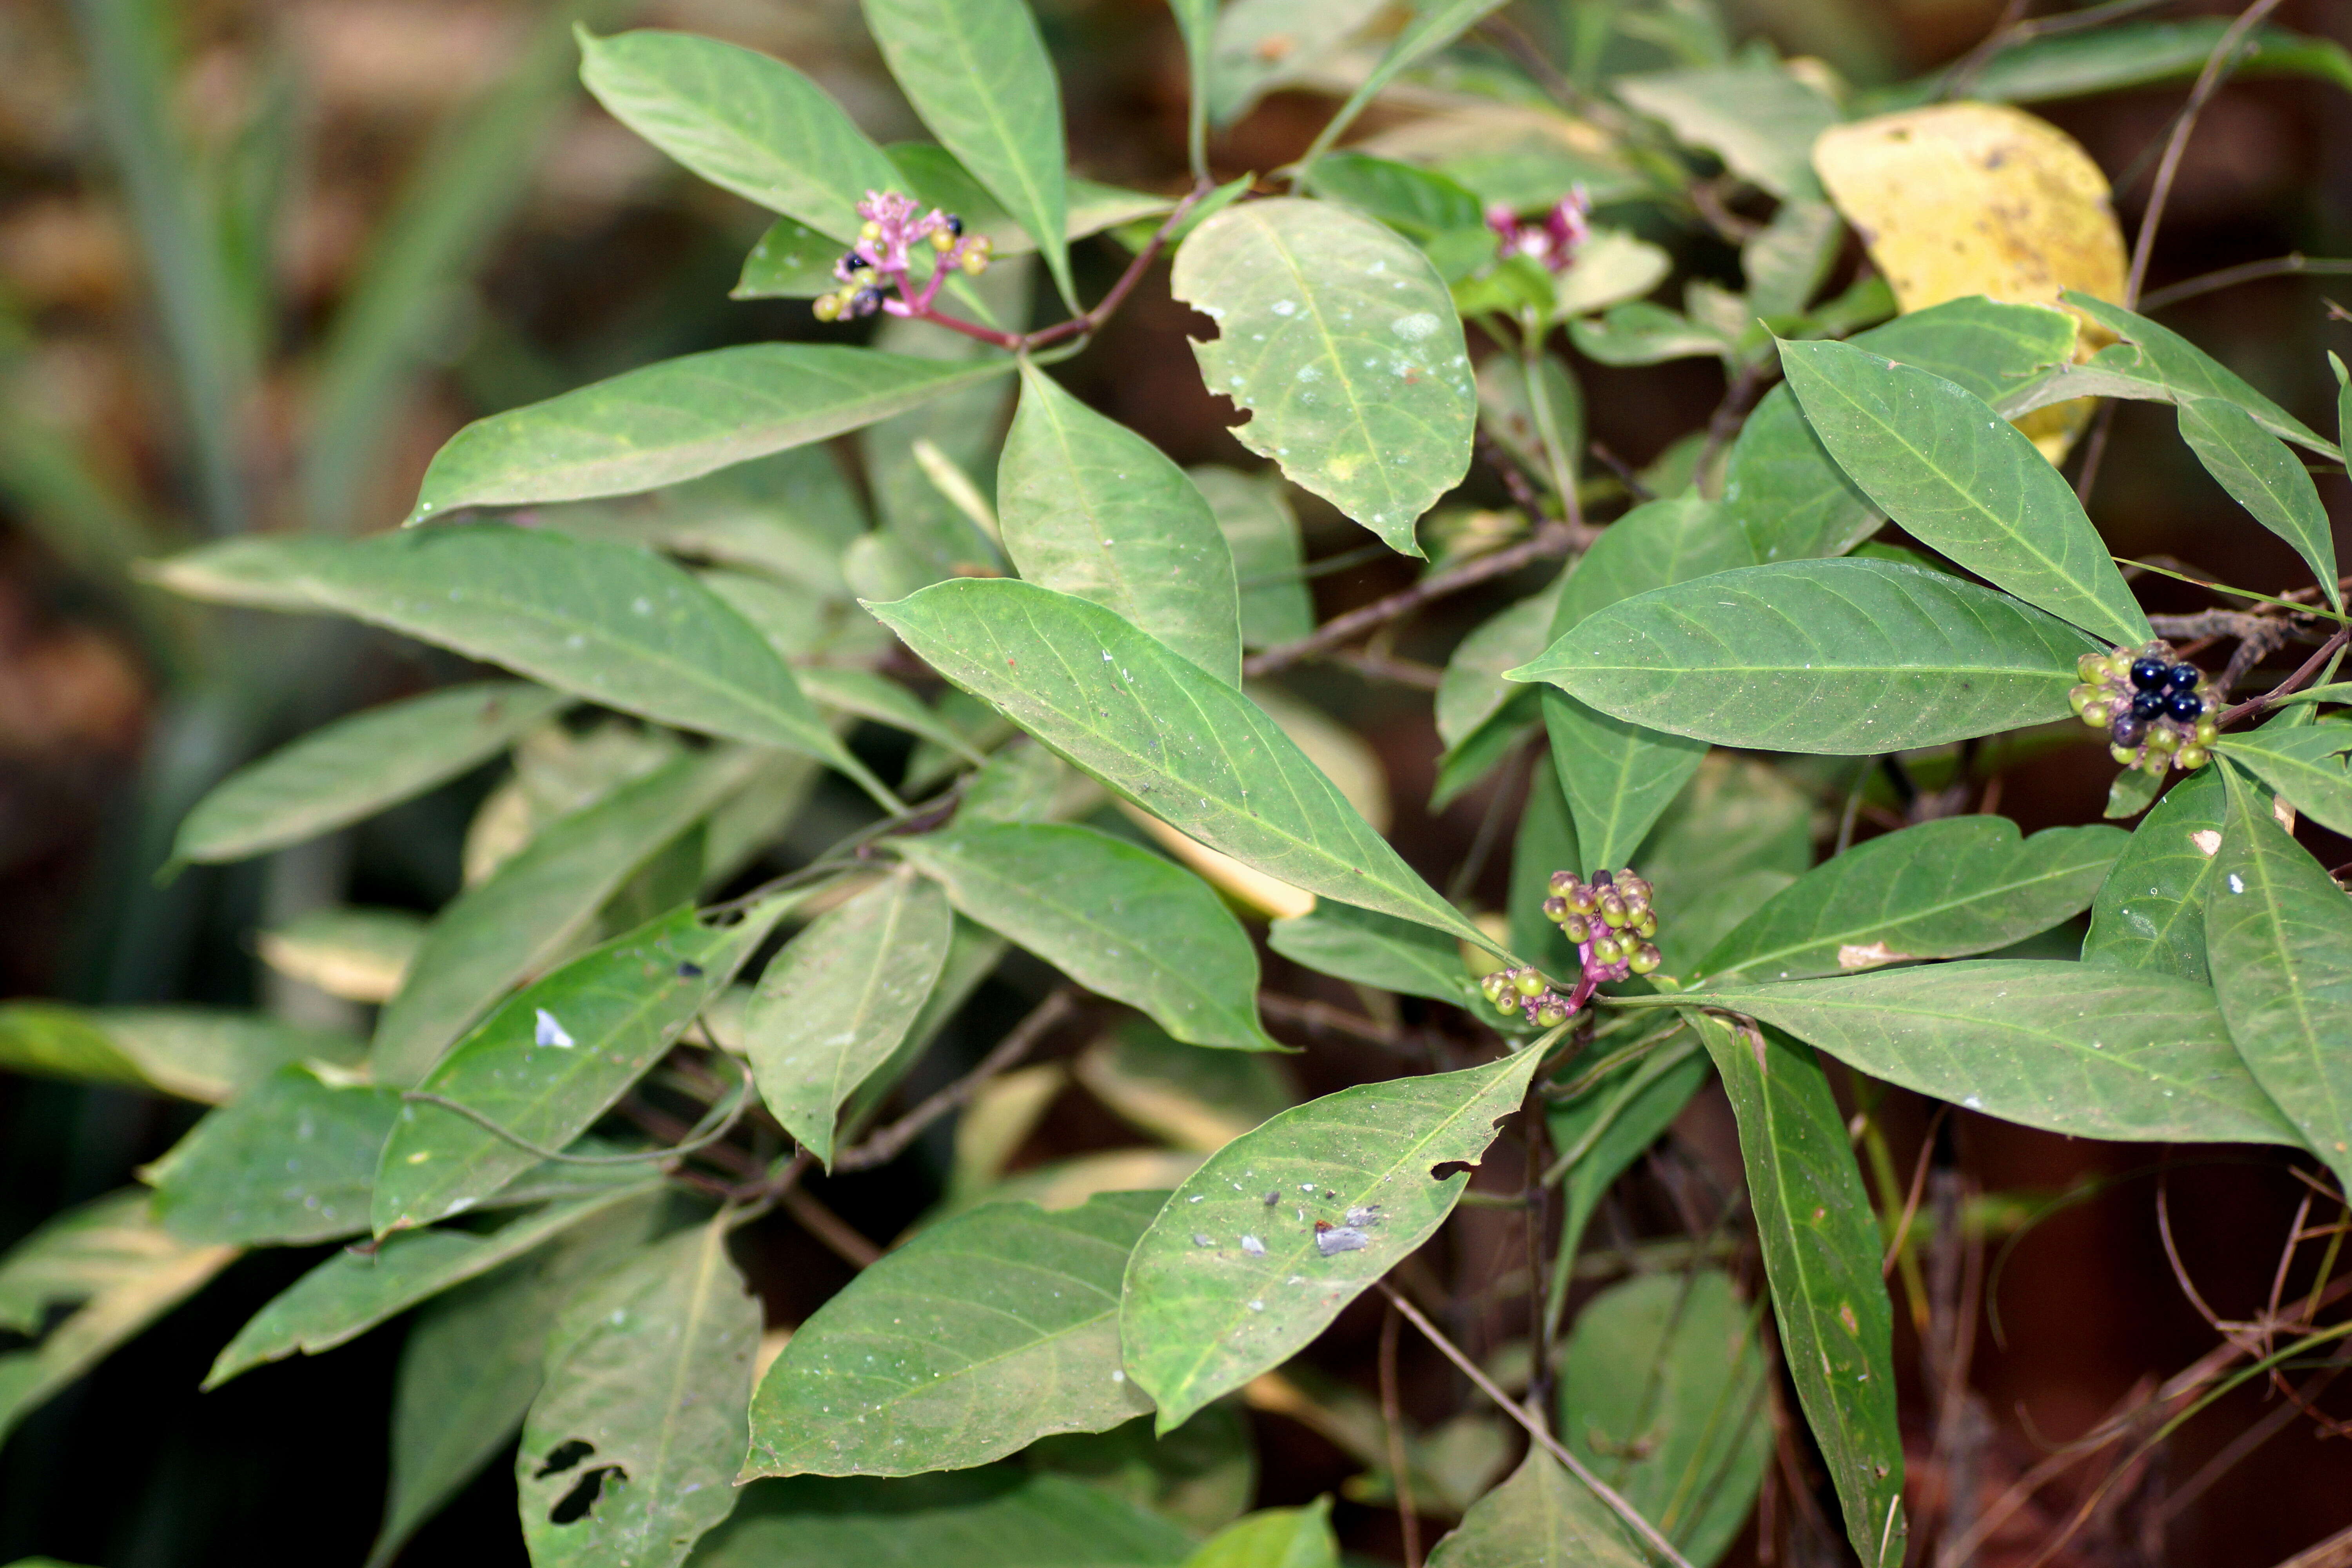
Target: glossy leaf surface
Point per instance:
(642, 1410)
(291, 1161)
(1120, 921)
(1938, 890)
(977, 71)
(1206, 1310)
(1821, 1244)
(1163, 736)
(1093, 510)
(2078, 1048)
(1375, 950)
(2306, 765)
(1846, 657)
(981, 1334)
(679, 419)
(2263, 475)
(554, 1058)
(838, 1000)
(1957, 476)
(353, 768)
(1343, 342)
(2279, 933)
(2150, 913)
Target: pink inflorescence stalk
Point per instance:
(1554, 239)
(883, 258)
(1611, 921)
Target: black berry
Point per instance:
(2149, 674)
(2184, 706)
(866, 302)
(954, 226)
(853, 261)
(2184, 677)
(2148, 705)
(2127, 731)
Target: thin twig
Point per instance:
(1381, 667)
(1739, 399)
(888, 1145)
(696, 1140)
(2309, 668)
(1393, 1420)
(1317, 1016)
(1911, 1200)
(1553, 539)
(828, 1228)
(2217, 66)
(2015, 27)
(1535, 1430)
(2291, 264)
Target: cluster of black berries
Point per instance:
(2157, 711)
(1609, 919)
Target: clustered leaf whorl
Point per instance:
(2157, 711)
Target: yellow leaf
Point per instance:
(1980, 198)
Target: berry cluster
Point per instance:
(1609, 919)
(882, 256)
(1525, 992)
(2157, 711)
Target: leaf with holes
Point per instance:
(2279, 933)
(1540, 1517)
(2263, 475)
(1663, 1394)
(743, 121)
(555, 1057)
(1960, 479)
(2305, 763)
(1164, 736)
(679, 419)
(291, 1162)
(2150, 913)
(2077, 1048)
(629, 1450)
(537, 902)
(977, 72)
(1227, 1284)
(981, 1334)
(1119, 921)
(355, 767)
(838, 1000)
(1820, 1245)
(1938, 889)
(1342, 339)
(1093, 510)
(1847, 657)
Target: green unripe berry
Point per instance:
(1551, 1014)
(1528, 983)
(1562, 883)
(2119, 664)
(1605, 949)
(1646, 959)
(1577, 928)
(2081, 695)
(1555, 909)
(2091, 666)
(2096, 714)
(2161, 738)
(1583, 899)
(2125, 755)
(1648, 924)
(2193, 756)
(1612, 908)
(1506, 1003)
(2207, 730)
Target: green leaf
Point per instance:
(1938, 889)
(123, 1268)
(920, 522)
(1196, 20)
(743, 121)
(537, 904)
(2126, 55)
(352, 1292)
(1541, 1517)
(471, 1365)
(2150, 911)
(2180, 371)
(1756, 116)
(1607, 1126)
(1205, 1312)
(1163, 735)
(1785, 261)
(1612, 267)
(936, 179)
(2079, 1049)
(882, 700)
(1619, 778)
(618, 626)
(1842, 658)
(555, 1057)
(1189, 1096)
(1792, 497)
(1375, 950)
(1274, 1538)
(1541, 421)
(1545, 843)
(2263, 474)
(836, 1001)
(1431, 28)
(1820, 1245)
(1962, 480)
(993, 1517)
(1417, 203)
(2304, 765)
(1020, 783)
(1203, 1475)
(1262, 531)
(788, 261)
(1261, 45)
(2279, 933)
(192, 1052)
(977, 72)
(1641, 333)
(292, 1162)
(1342, 339)
(1091, 509)
(641, 1418)
(982, 1333)
(2128, 793)
(1662, 1394)
(680, 418)
(1119, 921)
(1474, 703)
(353, 768)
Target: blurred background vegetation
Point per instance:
(259, 258)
